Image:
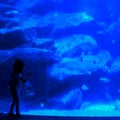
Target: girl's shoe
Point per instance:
(10, 115)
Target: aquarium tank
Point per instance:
(72, 50)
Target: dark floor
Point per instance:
(28, 117)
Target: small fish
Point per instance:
(84, 87)
(105, 79)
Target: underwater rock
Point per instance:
(78, 66)
(56, 19)
(114, 27)
(62, 20)
(76, 42)
(82, 42)
(73, 99)
(115, 66)
(70, 100)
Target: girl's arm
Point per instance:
(22, 78)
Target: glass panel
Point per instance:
(60, 57)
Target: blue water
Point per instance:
(72, 49)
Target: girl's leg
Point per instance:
(13, 102)
(12, 107)
(17, 104)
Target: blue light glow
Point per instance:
(72, 49)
